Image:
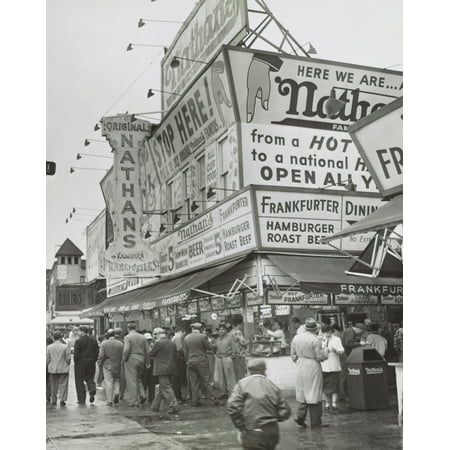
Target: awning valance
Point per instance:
(387, 216)
(327, 274)
(71, 320)
(164, 293)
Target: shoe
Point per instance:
(92, 399)
(217, 403)
(62, 403)
(109, 404)
(142, 400)
(116, 399)
(81, 402)
(300, 422)
(334, 409)
(327, 409)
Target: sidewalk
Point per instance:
(99, 426)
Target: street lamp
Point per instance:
(210, 193)
(175, 62)
(80, 155)
(88, 141)
(130, 46)
(141, 22)
(150, 92)
(72, 169)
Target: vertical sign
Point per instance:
(127, 256)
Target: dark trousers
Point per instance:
(150, 381)
(315, 412)
(198, 371)
(179, 377)
(84, 373)
(266, 439)
(48, 388)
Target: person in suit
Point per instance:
(58, 363)
(256, 406)
(150, 381)
(163, 354)
(195, 346)
(134, 357)
(85, 356)
(179, 376)
(48, 388)
(110, 357)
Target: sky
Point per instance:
(90, 74)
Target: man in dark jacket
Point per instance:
(195, 346)
(256, 406)
(163, 354)
(85, 356)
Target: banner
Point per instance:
(297, 298)
(287, 138)
(295, 220)
(107, 187)
(355, 299)
(95, 244)
(202, 114)
(211, 24)
(127, 256)
(224, 231)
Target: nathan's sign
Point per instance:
(294, 220)
(202, 114)
(379, 139)
(287, 138)
(126, 256)
(210, 25)
(296, 298)
(224, 231)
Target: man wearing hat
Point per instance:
(58, 362)
(195, 346)
(256, 406)
(110, 359)
(134, 356)
(163, 354)
(85, 355)
(307, 352)
(150, 381)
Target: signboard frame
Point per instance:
(370, 119)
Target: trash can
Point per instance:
(367, 379)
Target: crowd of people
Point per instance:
(170, 367)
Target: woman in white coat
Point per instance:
(331, 367)
(307, 352)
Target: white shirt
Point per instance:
(335, 348)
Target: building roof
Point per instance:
(69, 249)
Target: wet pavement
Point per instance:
(99, 426)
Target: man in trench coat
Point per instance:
(306, 351)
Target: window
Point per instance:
(82, 279)
(201, 171)
(69, 260)
(224, 157)
(169, 205)
(75, 259)
(186, 195)
(63, 259)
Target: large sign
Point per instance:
(379, 139)
(199, 118)
(127, 256)
(294, 220)
(287, 137)
(95, 244)
(224, 231)
(107, 187)
(210, 25)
